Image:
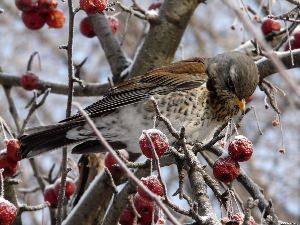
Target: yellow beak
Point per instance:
(241, 104)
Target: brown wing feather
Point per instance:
(179, 76)
(184, 69)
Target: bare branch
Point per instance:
(114, 54)
(159, 47)
(90, 89)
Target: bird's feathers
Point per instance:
(180, 76)
(45, 138)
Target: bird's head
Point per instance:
(233, 73)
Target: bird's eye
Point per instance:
(230, 84)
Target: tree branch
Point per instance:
(114, 54)
(266, 67)
(164, 36)
(90, 89)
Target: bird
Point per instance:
(201, 94)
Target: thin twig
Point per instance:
(166, 121)
(29, 191)
(1, 183)
(130, 10)
(71, 77)
(29, 208)
(12, 107)
(35, 105)
(36, 174)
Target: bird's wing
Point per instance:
(179, 76)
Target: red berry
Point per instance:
(270, 25)
(127, 216)
(113, 166)
(51, 196)
(297, 38)
(10, 167)
(226, 169)
(113, 22)
(153, 184)
(70, 187)
(26, 5)
(240, 149)
(86, 28)
(29, 81)
(239, 218)
(8, 212)
(56, 18)
(159, 140)
(154, 5)
(12, 149)
(45, 6)
(33, 20)
(93, 6)
(293, 45)
(145, 208)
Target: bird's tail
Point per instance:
(46, 138)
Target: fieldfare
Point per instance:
(200, 94)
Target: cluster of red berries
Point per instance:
(8, 212)
(9, 159)
(9, 162)
(237, 219)
(143, 204)
(35, 13)
(87, 29)
(51, 192)
(227, 168)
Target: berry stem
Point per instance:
(29, 64)
(281, 131)
(257, 122)
(234, 126)
(289, 43)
